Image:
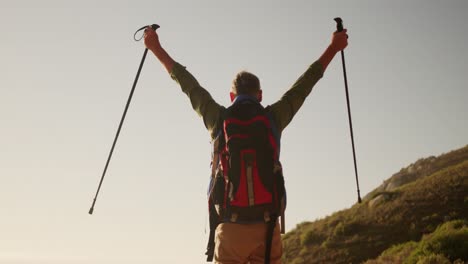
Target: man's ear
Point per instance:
(233, 96)
(259, 96)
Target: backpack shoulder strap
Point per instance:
(274, 129)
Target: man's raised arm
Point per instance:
(285, 109)
(200, 98)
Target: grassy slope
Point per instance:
(437, 192)
(447, 244)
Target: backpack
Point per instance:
(247, 183)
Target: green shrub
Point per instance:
(395, 254)
(328, 243)
(339, 230)
(452, 244)
(434, 259)
(401, 250)
(455, 224)
(311, 237)
(450, 240)
(298, 260)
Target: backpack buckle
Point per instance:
(266, 216)
(234, 217)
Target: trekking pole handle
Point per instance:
(153, 26)
(339, 24)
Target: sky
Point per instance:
(67, 68)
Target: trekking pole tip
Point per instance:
(91, 210)
(359, 199)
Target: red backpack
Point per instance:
(247, 184)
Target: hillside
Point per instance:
(412, 203)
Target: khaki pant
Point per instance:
(245, 244)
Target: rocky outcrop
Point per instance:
(419, 169)
(379, 199)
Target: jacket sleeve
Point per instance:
(201, 100)
(284, 110)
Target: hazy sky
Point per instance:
(67, 68)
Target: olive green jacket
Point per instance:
(282, 111)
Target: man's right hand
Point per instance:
(151, 39)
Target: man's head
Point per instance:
(246, 83)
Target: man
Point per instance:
(245, 243)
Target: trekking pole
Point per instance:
(339, 27)
(154, 27)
